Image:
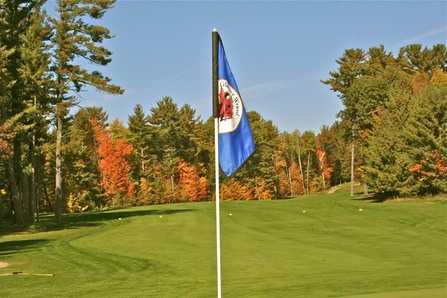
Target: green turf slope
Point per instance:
(270, 249)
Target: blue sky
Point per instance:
(278, 51)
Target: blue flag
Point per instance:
(236, 142)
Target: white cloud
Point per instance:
(263, 89)
(424, 35)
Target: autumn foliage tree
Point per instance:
(114, 165)
(232, 189)
(325, 168)
(191, 186)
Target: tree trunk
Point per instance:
(352, 169)
(307, 171)
(301, 167)
(172, 188)
(324, 182)
(16, 199)
(36, 190)
(34, 195)
(33, 151)
(142, 161)
(33, 189)
(26, 199)
(365, 189)
(47, 197)
(58, 190)
(289, 180)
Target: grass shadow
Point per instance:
(15, 246)
(375, 197)
(88, 219)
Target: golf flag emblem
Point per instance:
(236, 142)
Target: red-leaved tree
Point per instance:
(114, 165)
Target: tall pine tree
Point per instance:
(75, 38)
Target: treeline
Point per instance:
(54, 160)
(166, 155)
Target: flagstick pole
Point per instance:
(215, 46)
(216, 157)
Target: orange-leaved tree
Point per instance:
(261, 189)
(234, 190)
(114, 165)
(191, 186)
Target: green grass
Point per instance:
(270, 249)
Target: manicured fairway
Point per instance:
(270, 249)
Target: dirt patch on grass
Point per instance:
(3, 264)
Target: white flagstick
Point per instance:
(216, 157)
(215, 67)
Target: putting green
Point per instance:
(327, 245)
